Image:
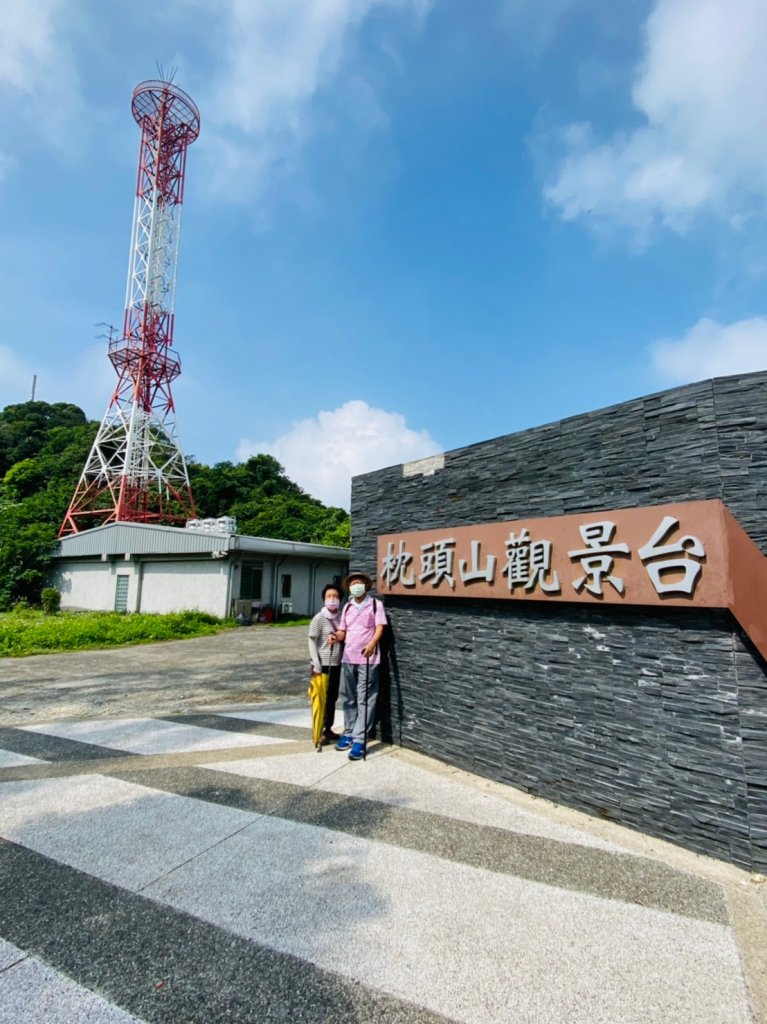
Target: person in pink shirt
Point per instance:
(362, 624)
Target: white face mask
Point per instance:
(357, 589)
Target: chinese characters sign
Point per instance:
(674, 554)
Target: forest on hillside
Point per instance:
(43, 448)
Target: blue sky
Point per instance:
(409, 225)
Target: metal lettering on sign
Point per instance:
(683, 547)
(686, 554)
(598, 557)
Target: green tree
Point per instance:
(24, 428)
(26, 553)
(43, 449)
(287, 517)
(48, 445)
(265, 502)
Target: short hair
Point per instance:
(332, 586)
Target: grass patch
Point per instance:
(26, 631)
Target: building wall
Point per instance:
(173, 586)
(91, 585)
(153, 586)
(309, 576)
(164, 585)
(323, 575)
(654, 718)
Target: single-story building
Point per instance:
(137, 567)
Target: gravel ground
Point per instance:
(239, 666)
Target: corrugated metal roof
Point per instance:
(145, 539)
(267, 545)
(141, 539)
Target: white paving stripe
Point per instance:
(390, 781)
(9, 954)
(286, 716)
(10, 759)
(150, 735)
(465, 942)
(476, 946)
(118, 831)
(33, 993)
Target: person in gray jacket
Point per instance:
(326, 657)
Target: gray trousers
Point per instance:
(353, 697)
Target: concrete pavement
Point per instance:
(173, 850)
(248, 664)
(212, 867)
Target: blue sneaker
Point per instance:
(344, 743)
(357, 752)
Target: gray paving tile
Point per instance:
(297, 717)
(147, 735)
(168, 967)
(9, 759)
(47, 747)
(9, 955)
(602, 873)
(31, 992)
(471, 944)
(390, 780)
(243, 726)
(125, 833)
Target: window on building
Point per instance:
(251, 580)
(121, 593)
(287, 581)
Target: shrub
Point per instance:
(29, 632)
(50, 599)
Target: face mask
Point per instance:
(331, 605)
(357, 589)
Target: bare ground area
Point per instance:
(238, 666)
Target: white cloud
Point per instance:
(710, 349)
(277, 56)
(701, 93)
(26, 42)
(323, 454)
(38, 81)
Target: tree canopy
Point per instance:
(43, 448)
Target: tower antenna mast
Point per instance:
(136, 471)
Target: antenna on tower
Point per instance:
(136, 471)
(110, 332)
(163, 76)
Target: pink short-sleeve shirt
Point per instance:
(360, 621)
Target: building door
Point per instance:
(251, 580)
(121, 593)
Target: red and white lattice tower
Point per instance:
(136, 471)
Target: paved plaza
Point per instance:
(207, 865)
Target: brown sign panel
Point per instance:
(691, 554)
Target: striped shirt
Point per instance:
(320, 629)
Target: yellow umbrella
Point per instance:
(318, 695)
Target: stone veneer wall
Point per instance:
(655, 718)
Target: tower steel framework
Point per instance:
(136, 471)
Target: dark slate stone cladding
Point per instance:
(654, 718)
